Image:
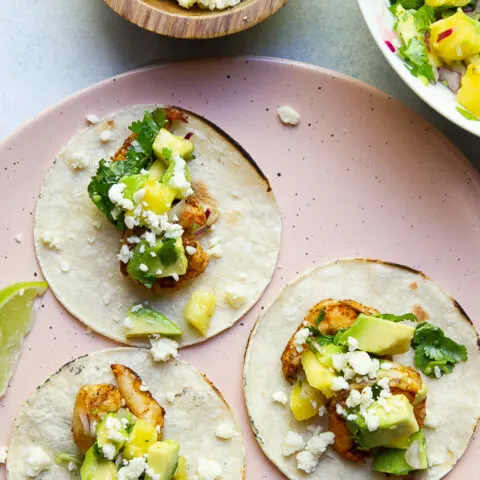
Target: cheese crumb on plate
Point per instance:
(288, 115)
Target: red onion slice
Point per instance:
(444, 35)
(390, 46)
(451, 78)
(188, 136)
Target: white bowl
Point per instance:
(380, 22)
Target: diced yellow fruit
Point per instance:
(305, 401)
(158, 197)
(175, 144)
(318, 375)
(143, 435)
(463, 41)
(200, 309)
(447, 3)
(469, 93)
(475, 60)
(181, 472)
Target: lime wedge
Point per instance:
(16, 319)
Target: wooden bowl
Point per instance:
(166, 17)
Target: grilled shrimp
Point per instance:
(338, 314)
(92, 403)
(139, 402)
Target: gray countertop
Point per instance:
(52, 48)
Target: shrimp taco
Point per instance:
(115, 414)
(156, 206)
(363, 369)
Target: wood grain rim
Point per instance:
(162, 17)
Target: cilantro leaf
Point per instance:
(408, 4)
(416, 56)
(434, 349)
(110, 173)
(397, 318)
(168, 254)
(146, 131)
(376, 391)
(160, 117)
(423, 17)
(321, 317)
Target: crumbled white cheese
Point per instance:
(142, 249)
(280, 397)
(226, 431)
(437, 371)
(65, 266)
(133, 469)
(292, 443)
(36, 461)
(339, 383)
(340, 410)
(139, 194)
(322, 411)
(49, 240)
(371, 420)
(136, 308)
(339, 361)
(354, 399)
(106, 136)
(178, 180)
(300, 339)
(352, 417)
(128, 323)
(143, 268)
(352, 344)
(190, 250)
(363, 364)
(307, 460)
(431, 420)
(175, 276)
(163, 349)
(144, 388)
(71, 467)
(3, 454)
(125, 254)
(150, 238)
(208, 469)
(209, 4)
(386, 365)
(215, 251)
(288, 115)
(92, 119)
(158, 272)
(134, 239)
(116, 196)
(170, 397)
(109, 451)
(18, 238)
(234, 297)
(78, 161)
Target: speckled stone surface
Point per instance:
(52, 48)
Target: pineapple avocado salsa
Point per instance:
(440, 42)
(379, 378)
(98, 419)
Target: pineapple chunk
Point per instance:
(469, 93)
(167, 144)
(305, 401)
(158, 197)
(461, 43)
(200, 309)
(318, 375)
(446, 3)
(181, 472)
(143, 435)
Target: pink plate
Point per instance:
(361, 175)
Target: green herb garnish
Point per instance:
(168, 254)
(468, 115)
(148, 128)
(397, 318)
(433, 349)
(416, 56)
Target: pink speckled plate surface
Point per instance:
(361, 175)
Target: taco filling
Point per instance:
(340, 362)
(146, 192)
(119, 431)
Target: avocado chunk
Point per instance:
(163, 459)
(133, 183)
(396, 422)
(378, 336)
(169, 259)
(111, 435)
(181, 472)
(397, 461)
(167, 144)
(325, 353)
(318, 375)
(142, 436)
(157, 170)
(96, 468)
(147, 321)
(421, 394)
